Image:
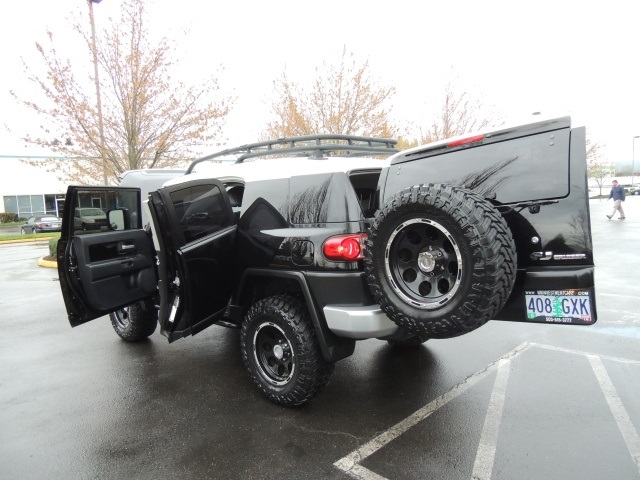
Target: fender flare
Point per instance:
(333, 347)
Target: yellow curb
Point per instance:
(27, 240)
(47, 263)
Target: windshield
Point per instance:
(91, 212)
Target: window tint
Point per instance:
(88, 219)
(200, 210)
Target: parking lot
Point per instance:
(506, 401)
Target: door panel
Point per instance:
(110, 265)
(116, 268)
(198, 249)
(208, 266)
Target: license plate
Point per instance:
(558, 306)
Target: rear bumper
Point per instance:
(358, 322)
(347, 306)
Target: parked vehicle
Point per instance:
(89, 219)
(47, 223)
(341, 238)
(634, 190)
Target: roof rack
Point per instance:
(309, 145)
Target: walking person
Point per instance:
(617, 193)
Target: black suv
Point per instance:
(309, 244)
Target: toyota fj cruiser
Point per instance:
(309, 244)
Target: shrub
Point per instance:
(8, 217)
(53, 246)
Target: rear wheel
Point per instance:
(410, 342)
(135, 322)
(440, 260)
(281, 352)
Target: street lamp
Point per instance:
(633, 156)
(97, 80)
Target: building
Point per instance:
(27, 190)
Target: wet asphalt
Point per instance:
(507, 401)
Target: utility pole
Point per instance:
(97, 80)
(633, 156)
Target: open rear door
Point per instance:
(106, 260)
(196, 232)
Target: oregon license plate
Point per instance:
(558, 306)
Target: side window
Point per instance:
(200, 210)
(120, 211)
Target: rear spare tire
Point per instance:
(440, 260)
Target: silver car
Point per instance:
(48, 223)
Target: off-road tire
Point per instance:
(135, 322)
(440, 260)
(281, 352)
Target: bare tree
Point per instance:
(597, 169)
(343, 99)
(459, 114)
(149, 120)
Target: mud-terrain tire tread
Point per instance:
(313, 373)
(492, 250)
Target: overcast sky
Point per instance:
(556, 57)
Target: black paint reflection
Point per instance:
(486, 182)
(311, 205)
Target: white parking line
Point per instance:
(485, 456)
(585, 354)
(351, 463)
(483, 466)
(627, 429)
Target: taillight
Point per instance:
(346, 248)
(465, 141)
(41, 225)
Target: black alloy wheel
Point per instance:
(273, 354)
(424, 263)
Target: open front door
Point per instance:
(196, 232)
(105, 259)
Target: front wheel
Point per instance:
(135, 322)
(281, 352)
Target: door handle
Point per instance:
(125, 247)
